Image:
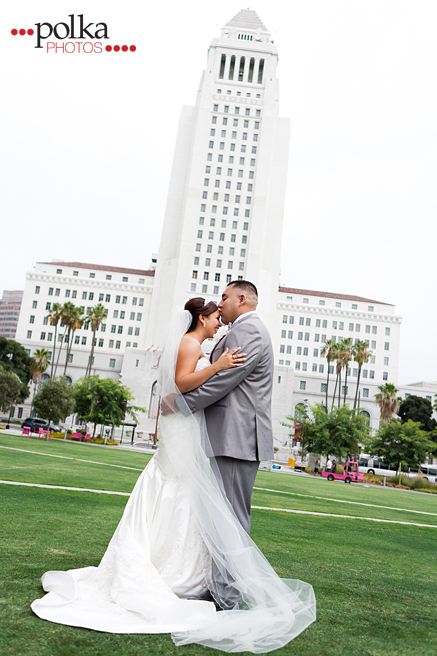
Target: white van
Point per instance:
(369, 465)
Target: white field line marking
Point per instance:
(51, 455)
(319, 514)
(357, 503)
(297, 512)
(62, 487)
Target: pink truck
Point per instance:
(350, 474)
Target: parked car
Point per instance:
(40, 423)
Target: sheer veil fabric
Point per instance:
(274, 610)
(177, 538)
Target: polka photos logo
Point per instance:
(71, 37)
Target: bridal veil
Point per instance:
(274, 610)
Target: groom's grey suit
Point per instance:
(237, 405)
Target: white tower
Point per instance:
(225, 203)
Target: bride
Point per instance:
(179, 534)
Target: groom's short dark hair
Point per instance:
(244, 286)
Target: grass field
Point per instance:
(375, 582)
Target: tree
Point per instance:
(418, 409)
(54, 315)
(95, 316)
(13, 357)
(103, 401)
(10, 388)
(388, 401)
(54, 400)
(75, 320)
(336, 432)
(327, 351)
(361, 355)
(38, 364)
(397, 443)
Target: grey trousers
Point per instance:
(238, 480)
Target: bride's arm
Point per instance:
(187, 379)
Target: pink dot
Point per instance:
(30, 32)
(14, 32)
(132, 48)
(124, 48)
(116, 48)
(108, 48)
(22, 32)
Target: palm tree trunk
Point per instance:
(335, 390)
(90, 362)
(345, 386)
(339, 388)
(70, 344)
(54, 352)
(327, 385)
(358, 385)
(60, 349)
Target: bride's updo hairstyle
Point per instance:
(196, 307)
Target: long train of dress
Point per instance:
(158, 562)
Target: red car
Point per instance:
(350, 474)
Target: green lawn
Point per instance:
(374, 582)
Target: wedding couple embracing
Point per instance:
(181, 560)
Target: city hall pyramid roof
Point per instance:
(247, 19)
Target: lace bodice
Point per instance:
(202, 363)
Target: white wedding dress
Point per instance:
(155, 560)
(177, 538)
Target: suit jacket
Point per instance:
(237, 402)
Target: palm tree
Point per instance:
(95, 316)
(38, 365)
(75, 321)
(327, 351)
(388, 401)
(54, 315)
(361, 355)
(346, 357)
(65, 313)
(337, 353)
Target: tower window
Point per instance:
(232, 68)
(222, 69)
(251, 68)
(260, 71)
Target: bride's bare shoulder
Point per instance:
(189, 345)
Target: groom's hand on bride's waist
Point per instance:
(168, 405)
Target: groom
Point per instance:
(237, 402)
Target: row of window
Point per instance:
(215, 108)
(234, 123)
(232, 149)
(323, 323)
(354, 306)
(83, 340)
(233, 237)
(248, 93)
(88, 296)
(193, 287)
(319, 353)
(303, 386)
(225, 210)
(224, 224)
(244, 135)
(219, 262)
(85, 326)
(237, 67)
(306, 337)
(231, 160)
(141, 281)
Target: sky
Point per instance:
(87, 140)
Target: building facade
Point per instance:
(223, 221)
(10, 305)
